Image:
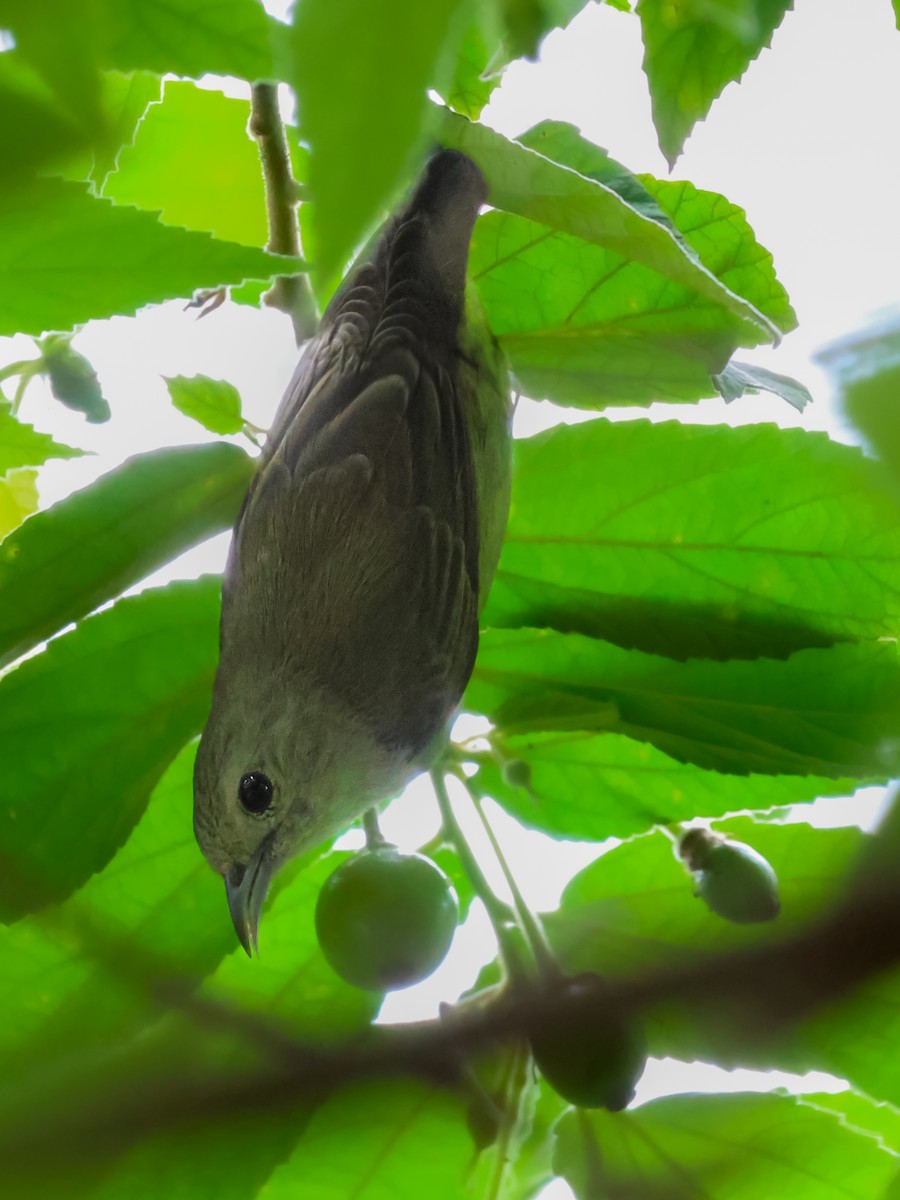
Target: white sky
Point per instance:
(807, 144)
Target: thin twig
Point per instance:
(751, 994)
(291, 293)
(531, 926)
(22, 367)
(499, 914)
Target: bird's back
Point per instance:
(355, 562)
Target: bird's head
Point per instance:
(274, 777)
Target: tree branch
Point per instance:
(291, 293)
(750, 995)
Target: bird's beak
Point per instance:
(246, 888)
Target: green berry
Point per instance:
(591, 1061)
(73, 381)
(385, 919)
(738, 884)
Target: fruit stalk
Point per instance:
(500, 915)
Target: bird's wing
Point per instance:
(355, 558)
(368, 493)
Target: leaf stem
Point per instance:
(531, 926)
(22, 367)
(500, 915)
(516, 1085)
(291, 293)
(374, 836)
(26, 369)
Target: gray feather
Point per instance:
(355, 558)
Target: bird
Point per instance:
(362, 554)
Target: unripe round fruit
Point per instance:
(738, 884)
(73, 381)
(591, 1061)
(385, 920)
(733, 880)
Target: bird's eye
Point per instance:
(255, 791)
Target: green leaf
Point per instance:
(588, 328)
(88, 548)
(485, 51)
(18, 499)
(856, 1040)
(67, 257)
(294, 982)
(564, 143)
(595, 786)
(230, 1153)
(706, 224)
(865, 374)
(739, 378)
(192, 37)
(529, 21)
(60, 42)
(697, 540)
(168, 1077)
(126, 98)
(625, 319)
(36, 129)
(75, 1002)
(633, 910)
(157, 896)
(552, 195)
(290, 983)
(882, 1120)
(692, 50)
(229, 1157)
(366, 134)
(720, 235)
(531, 1169)
(91, 725)
(191, 152)
(828, 712)
(738, 1147)
(408, 1140)
(158, 891)
(22, 446)
(864, 352)
(215, 403)
(473, 82)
